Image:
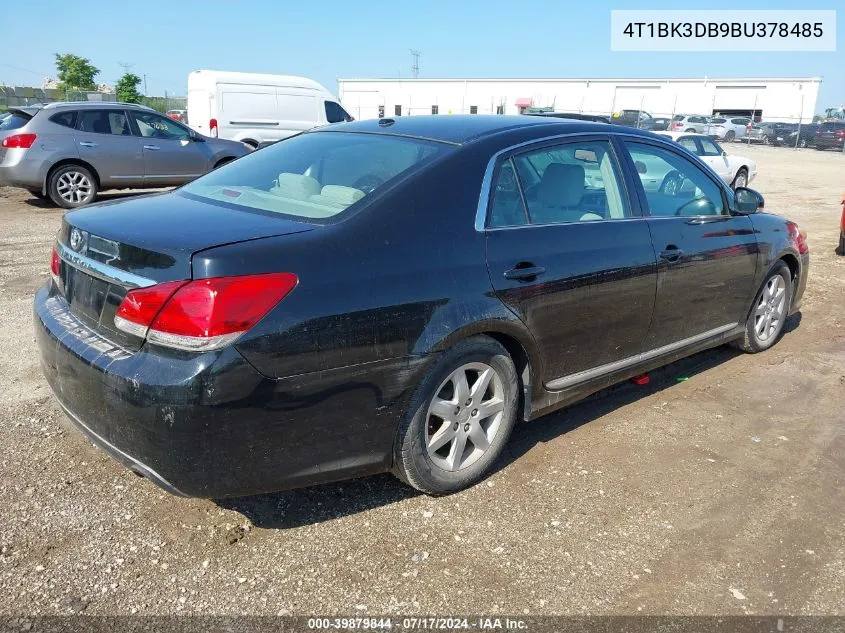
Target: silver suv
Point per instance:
(70, 151)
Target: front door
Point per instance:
(172, 156)
(707, 258)
(568, 256)
(104, 139)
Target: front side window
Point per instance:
(156, 126)
(574, 182)
(315, 176)
(336, 114)
(709, 148)
(104, 122)
(674, 185)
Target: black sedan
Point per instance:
(394, 295)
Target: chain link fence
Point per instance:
(16, 96)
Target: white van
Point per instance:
(251, 107)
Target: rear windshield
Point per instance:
(679, 117)
(315, 176)
(832, 125)
(14, 121)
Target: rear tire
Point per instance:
(459, 419)
(72, 186)
(764, 326)
(730, 136)
(741, 178)
(250, 144)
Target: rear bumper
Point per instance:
(801, 284)
(210, 425)
(16, 170)
(829, 143)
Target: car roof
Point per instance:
(94, 105)
(463, 128)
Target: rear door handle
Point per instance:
(524, 274)
(671, 254)
(152, 147)
(87, 144)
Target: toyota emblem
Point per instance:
(76, 239)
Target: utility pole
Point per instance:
(415, 67)
(145, 84)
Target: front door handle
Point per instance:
(87, 144)
(152, 147)
(672, 253)
(526, 273)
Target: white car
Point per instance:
(737, 171)
(727, 128)
(690, 123)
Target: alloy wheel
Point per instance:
(464, 416)
(741, 180)
(74, 187)
(771, 309)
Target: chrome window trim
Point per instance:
(588, 374)
(102, 271)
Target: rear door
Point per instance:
(568, 254)
(707, 258)
(171, 155)
(105, 140)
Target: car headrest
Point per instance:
(562, 185)
(296, 186)
(339, 195)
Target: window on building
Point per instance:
(435, 109)
(500, 109)
(381, 112)
(473, 109)
(397, 110)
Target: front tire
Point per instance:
(770, 309)
(72, 186)
(459, 419)
(730, 136)
(741, 178)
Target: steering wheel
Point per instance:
(672, 183)
(368, 183)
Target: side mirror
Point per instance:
(724, 153)
(196, 138)
(748, 201)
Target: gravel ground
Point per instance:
(721, 494)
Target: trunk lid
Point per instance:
(110, 248)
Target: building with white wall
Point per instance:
(770, 98)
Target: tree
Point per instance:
(76, 73)
(127, 88)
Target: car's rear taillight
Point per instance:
(18, 141)
(203, 314)
(212, 128)
(797, 237)
(55, 264)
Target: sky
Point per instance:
(330, 39)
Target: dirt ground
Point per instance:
(720, 494)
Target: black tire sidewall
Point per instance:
(741, 171)
(52, 190)
(750, 334)
(411, 461)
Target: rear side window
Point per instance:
(740, 121)
(105, 122)
(315, 176)
(718, 120)
(67, 119)
(14, 121)
(336, 114)
(574, 182)
(689, 143)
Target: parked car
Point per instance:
(576, 116)
(178, 115)
(770, 133)
(830, 135)
(70, 151)
(656, 124)
(841, 248)
(736, 171)
(215, 348)
(630, 118)
(727, 129)
(805, 135)
(692, 123)
(251, 107)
